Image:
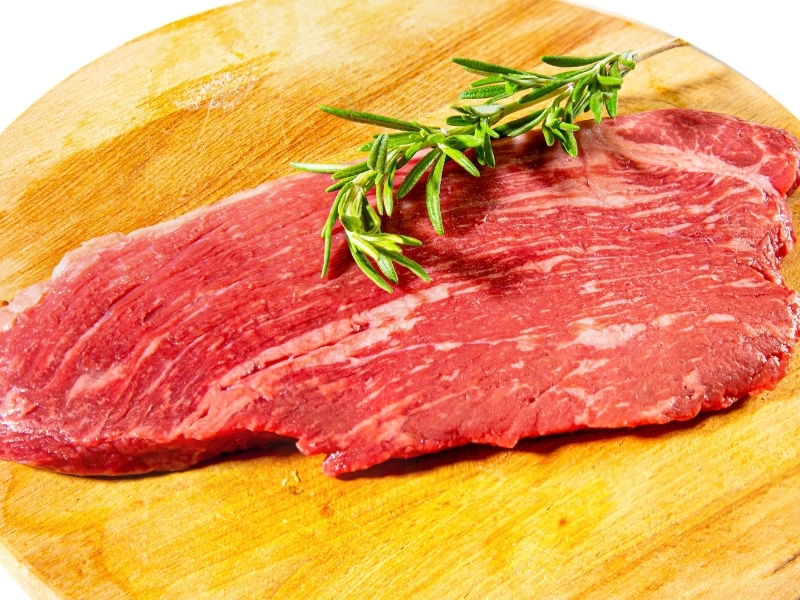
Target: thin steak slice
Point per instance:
(636, 284)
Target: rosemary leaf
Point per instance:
(380, 186)
(487, 152)
(612, 103)
(573, 74)
(460, 121)
(388, 195)
(461, 159)
(596, 104)
(548, 135)
(432, 195)
(416, 172)
(351, 223)
(559, 135)
(370, 119)
(317, 168)
(569, 143)
(486, 111)
(527, 125)
(351, 170)
(363, 246)
(326, 254)
(340, 184)
(480, 67)
(540, 92)
(398, 140)
(387, 268)
(334, 212)
(504, 128)
(489, 91)
(609, 81)
(371, 219)
(487, 81)
(367, 268)
(413, 149)
(409, 264)
(573, 61)
(408, 241)
(466, 141)
(377, 154)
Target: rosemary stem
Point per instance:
(513, 107)
(659, 48)
(592, 84)
(639, 56)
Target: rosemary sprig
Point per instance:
(590, 83)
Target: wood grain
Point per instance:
(221, 102)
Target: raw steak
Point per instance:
(636, 284)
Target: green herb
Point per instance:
(590, 84)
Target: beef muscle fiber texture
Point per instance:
(638, 283)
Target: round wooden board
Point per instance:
(221, 102)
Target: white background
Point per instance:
(44, 41)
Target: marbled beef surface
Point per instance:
(635, 284)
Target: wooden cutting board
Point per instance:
(221, 102)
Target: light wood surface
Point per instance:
(221, 102)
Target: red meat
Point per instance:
(635, 284)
